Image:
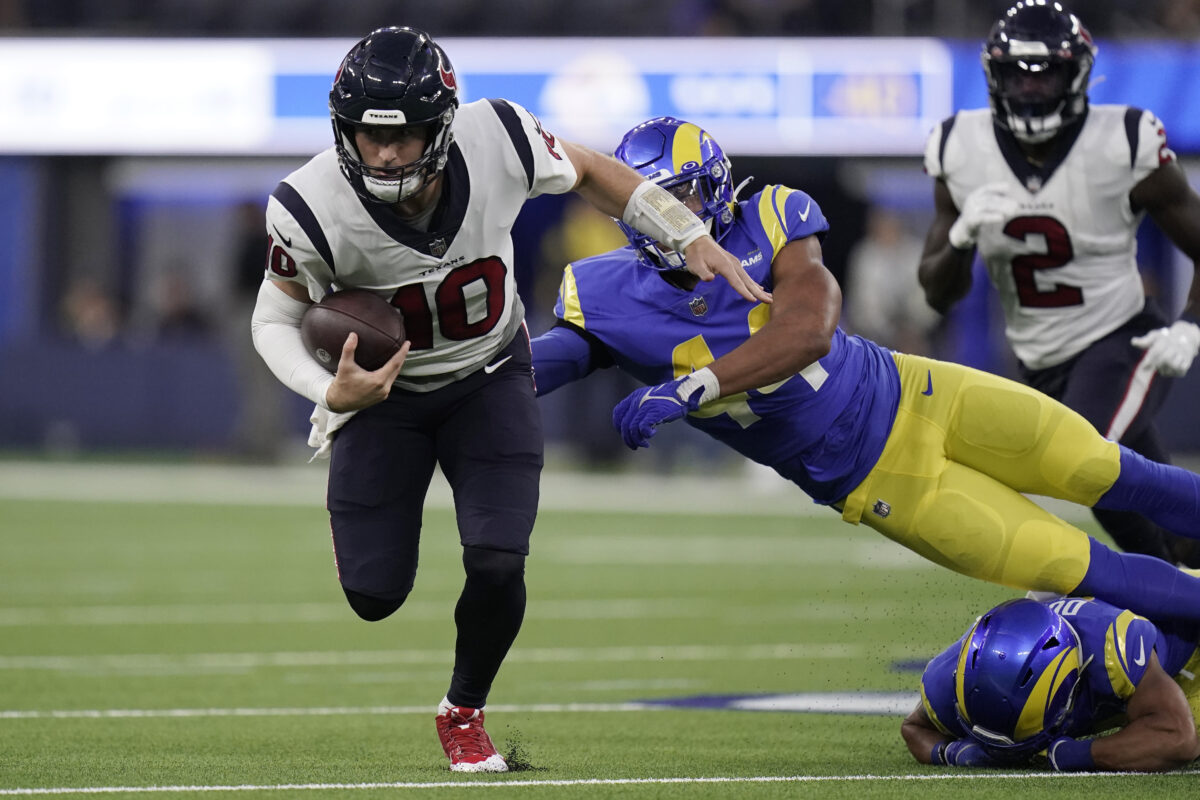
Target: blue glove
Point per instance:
(963, 753)
(1071, 755)
(637, 416)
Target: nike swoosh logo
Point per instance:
(807, 208)
(649, 396)
(929, 386)
(490, 368)
(286, 242)
(1141, 658)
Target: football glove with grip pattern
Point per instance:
(644, 409)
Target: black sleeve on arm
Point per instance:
(599, 355)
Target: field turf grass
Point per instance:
(204, 650)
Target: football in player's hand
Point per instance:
(379, 325)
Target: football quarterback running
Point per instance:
(1050, 190)
(416, 201)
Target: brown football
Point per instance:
(379, 325)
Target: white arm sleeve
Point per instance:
(655, 212)
(275, 326)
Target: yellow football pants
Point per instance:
(965, 446)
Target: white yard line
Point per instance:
(347, 711)
(747, 492)
(192, 663)
(504, 783)
(869, 703)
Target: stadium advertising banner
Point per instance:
(763, 96)
(268, 97)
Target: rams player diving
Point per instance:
(933, 455)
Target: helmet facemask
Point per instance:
(704, 182)
(393, 184)
(1038, 60)
(1035, 99)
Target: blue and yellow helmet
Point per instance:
(1019, 669)
(684, 160)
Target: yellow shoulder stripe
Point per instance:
(929, 712)
(771, 203)
(568, 294)
(1116, 656)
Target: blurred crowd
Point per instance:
(269, 18)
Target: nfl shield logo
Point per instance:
(699, 306)
(438, 247)
(881, 509)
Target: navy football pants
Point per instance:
(485, 433)
(1103, 384)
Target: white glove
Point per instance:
(1170, 351)
(989, 204)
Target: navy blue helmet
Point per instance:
(687, 162)
(1038, 60)
(393, 77)
(1019, 670)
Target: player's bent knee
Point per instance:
(1079, 461)
(493, 567)
(370, 608)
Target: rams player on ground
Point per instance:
(1032, 678)
(935, 456)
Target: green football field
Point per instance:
(187, 647)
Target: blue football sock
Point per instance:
(1168, 495)
(1147, 585)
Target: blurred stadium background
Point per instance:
(140, 138)
(157, 616)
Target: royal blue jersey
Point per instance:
(822, 428)
(1115, 646)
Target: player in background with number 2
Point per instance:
(1051, 191)
(416, 201)
(935, 456)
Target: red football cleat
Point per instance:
(466, 743)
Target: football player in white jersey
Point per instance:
(416, 201)
(1050, 190)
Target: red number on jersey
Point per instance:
(278, 260)
(1058, 252)
(450, 297)
(547, 137)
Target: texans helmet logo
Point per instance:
(447, 75)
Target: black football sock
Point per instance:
(488, 616)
